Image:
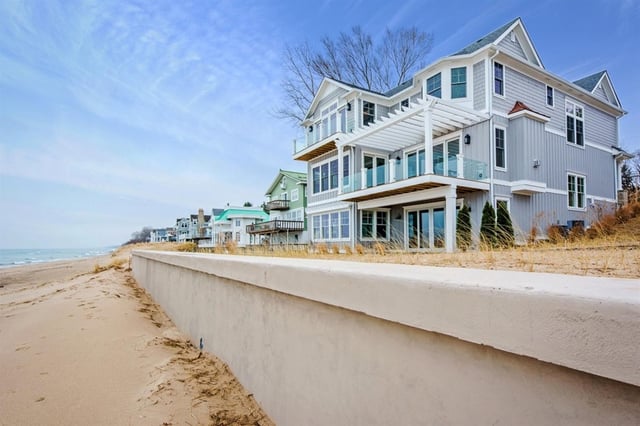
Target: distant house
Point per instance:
(162, 235)
(183, 229)
(231, 225)
(286, 205)
(487, 123)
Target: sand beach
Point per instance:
(81, 343)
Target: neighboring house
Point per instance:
(231, 224)
(286, 205)
(183, 229)
(162, 235)
(488, 123)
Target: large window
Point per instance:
(576, 191)
(368, 112)
(332, 226)
(325, 176)
(434, 86)
(501, 149)
(458, 82)
(498, 79)
(329, 120)
(374, 224)
(575, 123)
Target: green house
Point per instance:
(286, 205)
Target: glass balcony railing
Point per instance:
(403, 169)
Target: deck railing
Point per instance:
(277, 205)
(277, 225)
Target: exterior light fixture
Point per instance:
(348, 106)
(467, 139)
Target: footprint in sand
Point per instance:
(23, 348)
(40, 399)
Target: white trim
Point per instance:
(555, 131)
(600, 147)
(504, 130)
(557, 191)
(529, 114)
(597, 198)
(553, 97)
(375, 224)
(572, 208)
(327, 205)
(504, 80)
(409, 197)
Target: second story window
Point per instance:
(434, 86)
(368, 112)
(550, 96)
(575, 123)
(458, 82)
(294, 194)
(325, 176)
(498, 79)
(345, 170)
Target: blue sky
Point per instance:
(119, 114)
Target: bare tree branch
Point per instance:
(354, 58)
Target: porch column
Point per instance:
(428, 140)
(450, 220)
(340, 169)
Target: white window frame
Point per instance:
(426, 85)
(375, 107)
(504, 85)
(316, 226)
(375, 225)
(374, 178)
(576, 207)
(294, 195)
(319, 166)
(575, 117)
(466, 82)
(546, 96)
(495, 148)
(500, 198)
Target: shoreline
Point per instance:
(87, 347)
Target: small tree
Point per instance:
(627, 178)
(463, 228)
(488, 225)
(247, 204)
(504, 226)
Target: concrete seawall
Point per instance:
(345, 343)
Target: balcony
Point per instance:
(401, 176)
(277, 205)
(274, 226)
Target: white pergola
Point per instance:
(422, 121)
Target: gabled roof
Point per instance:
(399, 88)
(488, 39)
(298, 177)
(230, 213)
(497, 36)
(590, 82)
(600, 79)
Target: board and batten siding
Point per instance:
(478, 85)
(512, 47)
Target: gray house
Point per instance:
(488, 123)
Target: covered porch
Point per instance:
(416, 168)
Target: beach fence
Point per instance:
(323, 342)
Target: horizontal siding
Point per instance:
(600, 127)
(512, 47)
(478, 86)
(328, 100)
(600, 94)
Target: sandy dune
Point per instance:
(79, 347)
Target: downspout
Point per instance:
(491, 141)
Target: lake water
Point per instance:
(17, 257)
